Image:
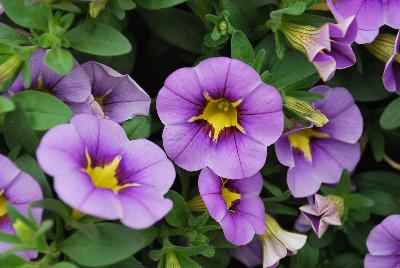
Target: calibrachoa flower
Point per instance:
(327, 47)
(114, 96)
(19, 189)
(319, 155)
(369, 14)
(73, 88)
(324, 212)
(383, 244)
(220, 115)
(250, 254)
(234, 204)
(386, 48)
(278, 243)
(99, 172)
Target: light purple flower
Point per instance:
(369, 14)
(20, 190)
(324, 212)
(319, 155)
(114, 96)
(328, 47)
(250, 254)
(384, 244)
(234, 204)
(72, 88)
(99, 172)
(220, 115)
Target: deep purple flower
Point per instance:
(19, 189)
(369, 14)
(72, 88)
(328, 47)
(324, 212)
(114, 96)
(99, 172)
(220, 115)
(234, 204)
(319, 155)
(384, 244)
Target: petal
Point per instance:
(371, 15)
(273, 251)
(8, 171)
(23, 190)
(365, 36)
(250, 254)
(102, 203)
(249, 187)
(142, 207)
(237, 156)
(292, 241)
(301, 179)
(391, 76)
(344, 32)
(146, 163)
(284, 151)
(392, 11)
(236, 229)
(342, 9)
(343, 55)
(253, 210)
(384, 238)
(188, 145)
(391, 261)
(325, 65)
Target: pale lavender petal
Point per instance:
(365, 37)
(253, 210)
(284, 151)
(102, 203)
(391, 261)
(384, 238)
(236, 229)
(249, 187)
(392, 11)
(8, 171)
(371, 15)
(325, 65)
(250, 254)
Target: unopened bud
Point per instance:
(24, 232)
(96, 6)
(306, 111)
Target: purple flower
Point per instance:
(220, 115)
(369, 14)
(19, 189)
(324, 212)
(234, 204)
(319, 155)
(72, 88)
(250, 254)
(383, 244)
(328, 47)
(114, 96)
(99, 172)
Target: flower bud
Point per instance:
(306, 111)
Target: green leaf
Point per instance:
(349, 260)
(306, 257)
(385, 204)
(158, 4)
(64, 265)
(18, 131)
(176, 27)
(304, 95)
(31, 17)
(357, 236)
(277, 15)
(383, 180)
(43, 110)
(294, 71)
(114, 243)
(279, 208)
(98, 39)
(243, 14)
(12, 261)
(358, 201)
(179, 214)
(128, 263)
(12, 37)
(6, 105)
(186, 262)
(221, 259)
(377, 142)
(390, 118)
(54, 206)
(59, 60)
(241, 48)
(138, 128)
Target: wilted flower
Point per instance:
(386, 48)
(369, 14)
(327, 47)
(220, 115)
(319, 155)
(20, 190)
(383, 244)
(324, 212)
(277, 242)
(95, 166)
(114, 96)
(73, 88)
(234, 204)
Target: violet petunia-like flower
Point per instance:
(99, 172)
(114, 96)
(386, 47)
(20, 190)
(250, 255)
(369, 14)
(324, 212)
(319, 155)
(220, 115)
(327, 47)
(72, 88)
(383, 244)
(234, 204)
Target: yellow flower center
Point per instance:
(106, 176)
(228, 195)
(100, 100)
(3, 202)
(301, 140)
(220, 114)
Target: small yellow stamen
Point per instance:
(220, 114)
(100, 100)
(229, 196)
(3, 202)
(301, 140)
(106, 176)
